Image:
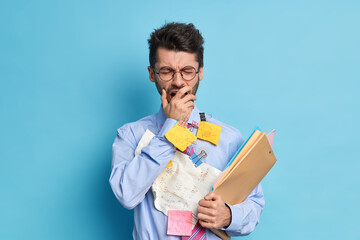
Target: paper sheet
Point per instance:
(181, 186)
(270, 137)
(144, 141)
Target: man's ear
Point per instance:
(201, 73)
(151, 74)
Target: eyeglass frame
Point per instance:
(174, 72)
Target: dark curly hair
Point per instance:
(178, 37)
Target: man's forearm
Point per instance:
(132, 176)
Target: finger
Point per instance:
(207, 203)
(206, 218)
(206, 224)
(216, 197)
(179, 94)
(164, 99)
(210, 196)
(189, 98)
(206, 211)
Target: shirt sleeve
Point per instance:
(246, 215)
(132, 176)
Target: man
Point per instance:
(176, 68)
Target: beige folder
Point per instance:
(246, 171)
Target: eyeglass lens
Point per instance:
(187, 73)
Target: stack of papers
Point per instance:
(245, 171)
(248, 167)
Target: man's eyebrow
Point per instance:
(188, 66)
(170, 68)
(166, 67)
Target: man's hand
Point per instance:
(213, 212)
(180, 106)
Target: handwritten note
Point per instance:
(209, 132)
(180, 136)
(179, 223)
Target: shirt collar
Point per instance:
(160, 116)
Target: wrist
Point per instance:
(228, 217)
(168, 124)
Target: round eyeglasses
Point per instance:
(187, 73)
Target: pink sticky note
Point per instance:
(179, 223)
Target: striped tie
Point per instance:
(198, 233)
(189, 150)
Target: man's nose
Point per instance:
(178, 80)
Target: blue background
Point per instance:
(72, 72)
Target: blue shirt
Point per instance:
(132, 176)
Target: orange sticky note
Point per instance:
(180, 136)
(179, 223)
(170, 164)
(209, 132)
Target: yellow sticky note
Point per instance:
(170, 164)
(209, 132)
(179, 136)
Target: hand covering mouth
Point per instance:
(173, 93)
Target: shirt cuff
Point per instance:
(168, 124)
(236, 214)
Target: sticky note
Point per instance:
(179, 136)
(179, 223)
(209, 132)
(170, 164)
